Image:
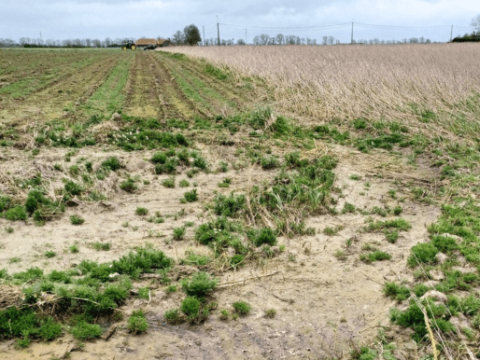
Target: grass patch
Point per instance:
(76, 220)
(141, 211)
(200, 285)
(242, 307)
(137, 323)
(191, 196)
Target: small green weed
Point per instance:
(76, 220)
(137, 323)
(112, 163)
(169, 183)
(242, 307)
(184, 183)
(201, 284)
(270, 313)
(375, 256)
(128, 185)
(262, 236)
(179, 233)
(190, 307)
(100, 246)
(141, 211)
(172, 316)
(50, 254)
(191, 196)
(85, 331)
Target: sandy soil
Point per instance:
(323, 305)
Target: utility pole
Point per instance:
(246, 38)
(451, 35)
(218, 32)
(352, 35)
(203, 35)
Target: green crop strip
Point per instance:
(110, 96)
(27, 86)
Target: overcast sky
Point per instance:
(64, 19)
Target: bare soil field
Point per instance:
(159, 206)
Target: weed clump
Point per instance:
(76, 220)
(50, 254)
(242, 307)
(179, 233)
(262, 236)
(16, 213)
(391, 236)
(191, 196)
(269, 162)
(84, 331)
(422, 254)
(141, 211)
(137, 323)
(375, 256)
(270, 313)
(73, 189)
(172, 316)
(184, 183)
(144, 260)
(399, 292)
(191, 308)
(169, 183)
(128, 185)
(112, 163)
(200, 285)
(400, 224)
(414, 318)
(159, 158)
(228, 205)
(99, 246)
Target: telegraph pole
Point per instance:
(451, 35)
(246, 38)
(218, 32)
(352, 35)
(203, 35)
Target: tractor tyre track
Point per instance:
(142, 99)
(175, 103)
(230, 92)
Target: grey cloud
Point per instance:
(119, 18)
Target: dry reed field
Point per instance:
(329, 82)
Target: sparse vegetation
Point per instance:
(76, 220)
(141, 211)
(242, 308)
(137, 323)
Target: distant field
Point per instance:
(52, 84)
(338, 82)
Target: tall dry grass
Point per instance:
(328, 82)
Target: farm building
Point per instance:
(143, 43)
(163, 42)
(152, 43)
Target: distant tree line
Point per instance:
(189, 36)
(68, 43)
(473, 37)
(280, 39)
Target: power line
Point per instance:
(286, 28)
(342, 25)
